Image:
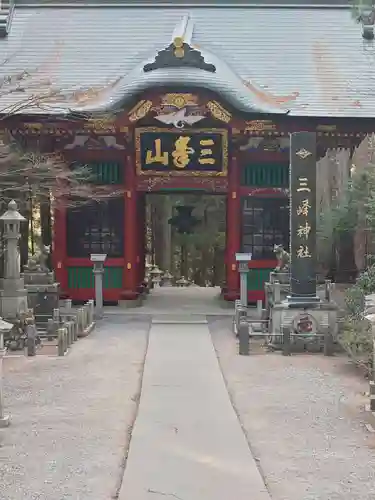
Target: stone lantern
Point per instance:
(182, 282)
(155, 274)
(167, 279)
(13, 295)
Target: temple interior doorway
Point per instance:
(185, 234)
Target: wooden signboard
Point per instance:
(201, 152)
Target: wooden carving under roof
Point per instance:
(178, 55)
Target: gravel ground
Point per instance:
(304, 420)
(71, 417)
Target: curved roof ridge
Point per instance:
(245, 96)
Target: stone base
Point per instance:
(284, 314)
(38, 278)
(280, 276)
(4, 421)
(13, 302)
(43, 299)
(87, 330)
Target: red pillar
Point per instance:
(59, 245)
(131, 246)
(142, 239)
(233, 230)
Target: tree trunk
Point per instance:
(184, 265)
(25, 209)
(45, 222)
(214, 280)
(166, 256)
(347, 270)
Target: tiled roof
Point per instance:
(302, 59)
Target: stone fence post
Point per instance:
(243, 338)
(371, 319)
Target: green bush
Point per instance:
(366, 280)
(355, 302)
(356, 337)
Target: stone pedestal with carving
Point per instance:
(309, 325)
(42, 294)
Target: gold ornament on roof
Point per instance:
(179, 100)
(140, 110)
(100, 124)
(218, 112)
(178, 43)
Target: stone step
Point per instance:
(179, 319)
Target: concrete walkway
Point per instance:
(187, 443)
(172, 300)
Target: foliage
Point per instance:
(353, 209)
(366, 281)
(26, 169)
(357, 337)
(355, 302)
(25, 174)
(358, 6)
(198, 256)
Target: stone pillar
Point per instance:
(130, 291)
(98, 261)
(13, 295)
(233, 231)
(243, 260)
(303, 217)
(5, 327)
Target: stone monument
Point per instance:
(302, 317)
(13, 294)
(42, 290)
